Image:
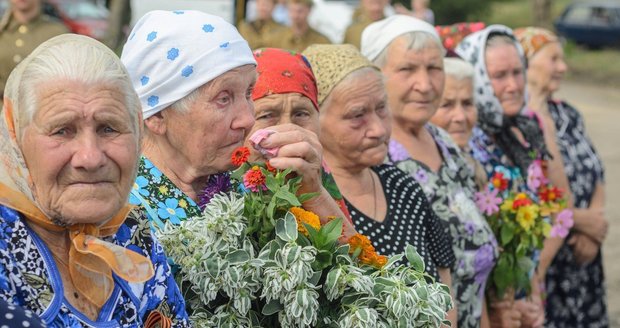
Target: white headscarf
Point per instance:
(380, 34)
(169, 54)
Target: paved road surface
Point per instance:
(600, 107)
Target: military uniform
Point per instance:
(18, 40)
(260, 33)
(353, 34)
(289, 41)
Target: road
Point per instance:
(600, 107)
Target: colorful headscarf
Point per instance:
(533, 39)
(332, 63)
(91, 260)
(378, 35)
(451, 35)
(169, 54)
(491, 116)
(282, 71)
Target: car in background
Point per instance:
(594, 24)
(80, 16)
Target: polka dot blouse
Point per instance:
(409, 220)
(13, 316)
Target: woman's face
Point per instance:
(547, 67)
(457, 113)
(505, 70)
(355, 123)
(81, 151)
(285, 108)
(414, 82)
(216, 123)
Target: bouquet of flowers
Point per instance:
(520, 223)
(452, 35)
(256, 258)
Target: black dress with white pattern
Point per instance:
(576, 294)
(409, 220)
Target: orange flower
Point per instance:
(307, 217)
(270, 168)
(550, 194)
(367, 255)
(499, 181)
(254, 179)
(240, 156)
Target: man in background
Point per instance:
(299, 35)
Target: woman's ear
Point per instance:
(156, 124)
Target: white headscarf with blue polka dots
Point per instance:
(169, 54)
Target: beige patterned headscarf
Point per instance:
(331, 63)
(91, 259)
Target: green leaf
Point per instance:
(288, 196)
(414, 258)
(507, 233)
(212, 267)
(322, 260)
(271, 183)
(272, 307)
(307, 196)
(332, 230)
(286, 229)
(316, 277)
(238, 256)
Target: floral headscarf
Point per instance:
(491, 116)
(533, 39)
(91, 260)
(282, 71)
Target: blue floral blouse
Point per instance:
(450, 192)
(29, 278)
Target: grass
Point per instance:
(594, 66)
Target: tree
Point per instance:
(542, 12)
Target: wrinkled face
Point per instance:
(505, 70)
(355, 122)
(547, 67)
(415, 81)
(81, 151)
(457, 113)
(373, 8)
(298, 13)
(216, 123)
(285, 108)
(264, 8)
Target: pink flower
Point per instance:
(488, 201)
(558, 231)
(565, 219)
(535, 176)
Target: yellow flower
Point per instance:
(307, 217)
(550, 208)
(546, 229)
(507, 206)
(163, 190)
(526, 216)
(183, 203)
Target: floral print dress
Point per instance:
(30, 278)
(450, 192)
(575, 293)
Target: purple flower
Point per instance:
(484, 262)
(397, 151)
(535, 176)
(421, 177)
(488, 202)
(217, 183)
(470, 228)
(565, 219)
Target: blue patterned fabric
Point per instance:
(30, 278)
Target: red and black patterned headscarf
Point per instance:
(281, 71)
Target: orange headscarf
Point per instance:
(533, 39)
(91, 260)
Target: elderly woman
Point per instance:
(575, 280)
(384, 203)
(286, 93)
(197, 104)
(410, 55)
(72, 251)
(509, 139)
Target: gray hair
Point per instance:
(75, 60)
(416, 40)
(499, 39)
(458, 69)
(347, 81)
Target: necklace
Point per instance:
(374, 195)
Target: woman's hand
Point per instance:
(532, 312)
(299, 150)
(596, 225)
(503, 314)
(585, 248)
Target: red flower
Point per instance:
(240, 156)
(521, 200)
(499, 182)
(270, 168)
(254, 179)
(550, 194)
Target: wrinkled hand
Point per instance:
(532, 312)
(597, 225)
(585, 248)
(503, 314)
(299, 150)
